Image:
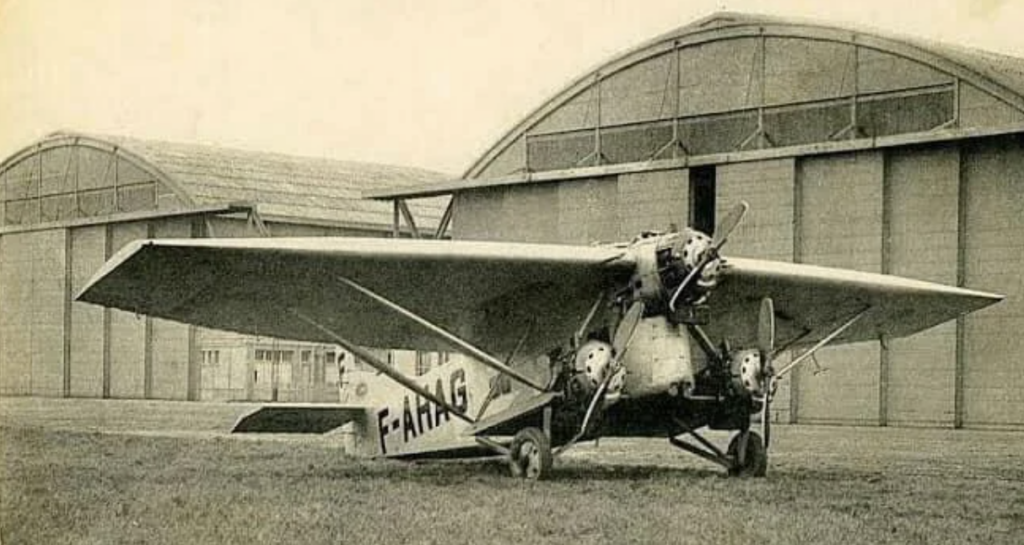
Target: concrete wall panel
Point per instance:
(529, 213)
(87, 255)
(49, 294)
(588, 211)
(994, 258)
(767, 230)
(923, 190)
(477, 214)
(16, 317)
(840, 225)
(653, 201)
(170, 340)
(33, 294)
(922, 186)
(127, 331)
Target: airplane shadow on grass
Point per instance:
(447, 473)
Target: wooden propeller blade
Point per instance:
(766, 328)
(627, 326)
(728, 224)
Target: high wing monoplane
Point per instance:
(661, 336)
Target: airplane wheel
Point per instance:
(755, 460)
(530, 454)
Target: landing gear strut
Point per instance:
(745, 457)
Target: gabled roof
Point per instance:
(285, 187)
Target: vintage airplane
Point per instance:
(659, 337)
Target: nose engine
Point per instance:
(665, 264)
(693, 251)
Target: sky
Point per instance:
(426, 83)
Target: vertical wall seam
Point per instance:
(200, 229)
(884, 355)
(67, 311)
(108, 250)
(959, 367)
(147, 342)
(794, 377)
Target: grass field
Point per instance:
(153, 472)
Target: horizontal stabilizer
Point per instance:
(298, 419)
(501, 422)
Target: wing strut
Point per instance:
(383, 367)
(828, 338)
(466, 347)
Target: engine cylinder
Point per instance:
(748, 371)
(594, 360)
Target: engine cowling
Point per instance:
(748, 371)
(594, 360)
(664, 261)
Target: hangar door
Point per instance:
(921, 196)
(993, 376)
(33, 295)
(839, 224)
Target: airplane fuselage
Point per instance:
(661, 367)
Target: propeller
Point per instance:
(766, 346)
(721, 236)
(627, 326)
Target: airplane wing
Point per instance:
(490, 294)
(811, 301)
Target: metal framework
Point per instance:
(402, 212)
(958, 65)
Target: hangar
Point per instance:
(854, 148)
(70, 200)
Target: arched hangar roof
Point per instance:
(701, 77)
(71, 175)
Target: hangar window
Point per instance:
(702, 198)
(70, 181)
(424, 362)
(211, 357)
(734, 95)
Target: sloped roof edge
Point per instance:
(322, 189)
(1000, 75)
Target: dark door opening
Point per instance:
(702, 199)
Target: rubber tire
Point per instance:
(755, 463)
(530, 454)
